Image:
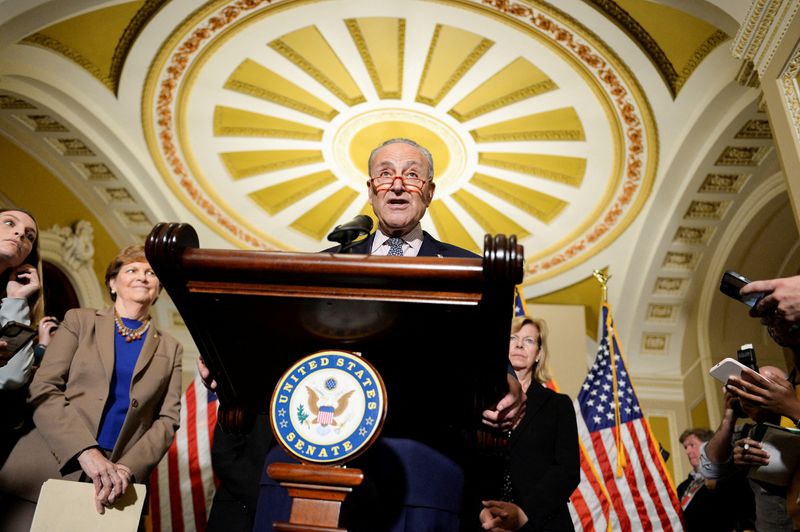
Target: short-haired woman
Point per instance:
(105, 401)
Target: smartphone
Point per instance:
(732, 282)
(17, 335)
(728, 368)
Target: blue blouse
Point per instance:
(119, 396)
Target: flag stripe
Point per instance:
(195, 476)
(155, 504)
(649, 480)
(607, 471)
(182, 486)
(174, 490)
(631, 471)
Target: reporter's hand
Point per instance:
(509, 411)
(23, 281)
(108, 485)
(205, 374)
(748, 452)
(767, 390)
(781, 302)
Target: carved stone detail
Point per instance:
(673, 286)
(7, 101)
(760, 35)
(42, 123)
(119, 194)
(96, 171)
(655, 342)
(790, 94)
(728, 183)
(136, 218)
(683, 260)
(77, 243)
(659, 312)
(71, 250)
(71, 147)
(742, 155)
(706, 210)
(692, 235)
(755, 129)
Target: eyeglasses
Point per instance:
(411, 180)
(527, 341)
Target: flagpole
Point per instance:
(603, 278)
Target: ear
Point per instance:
(112, 284)
(428, 197)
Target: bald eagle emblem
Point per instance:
(326, 407)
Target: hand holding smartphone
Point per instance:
(13, 336)
(732, 282)
(728, 368)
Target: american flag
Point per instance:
(590, 503)
(182, 486)
(619, 443)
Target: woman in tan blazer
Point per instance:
(105, 401)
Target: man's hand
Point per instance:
(501, 516)
(205, 374)
(781, 302)
(779, 309)
(767, 390)
(109, 485)
(510, 409)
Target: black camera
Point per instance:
(746, 355)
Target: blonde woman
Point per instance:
(544, 467)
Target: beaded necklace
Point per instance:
(130, 334)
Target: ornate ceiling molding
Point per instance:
(313, 114)
(759, 36)
(673, 79)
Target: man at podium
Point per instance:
(400, 188)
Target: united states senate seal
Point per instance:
(328, 407)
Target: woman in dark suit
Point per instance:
(105, 401)
(544, 461)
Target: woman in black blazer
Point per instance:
(544, 462)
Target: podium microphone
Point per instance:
(346, 233)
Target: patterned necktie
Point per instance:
(395, 247)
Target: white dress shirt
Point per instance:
(412, 242)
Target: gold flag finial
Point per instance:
(602, 278)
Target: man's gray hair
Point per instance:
(400, 140)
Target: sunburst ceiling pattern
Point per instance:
(261, 117)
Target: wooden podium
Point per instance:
(435, 328)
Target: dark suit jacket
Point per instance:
(545, 460)
(430, 248)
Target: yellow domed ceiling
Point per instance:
(261, 116)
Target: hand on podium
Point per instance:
(205, 374)
(509, 410)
